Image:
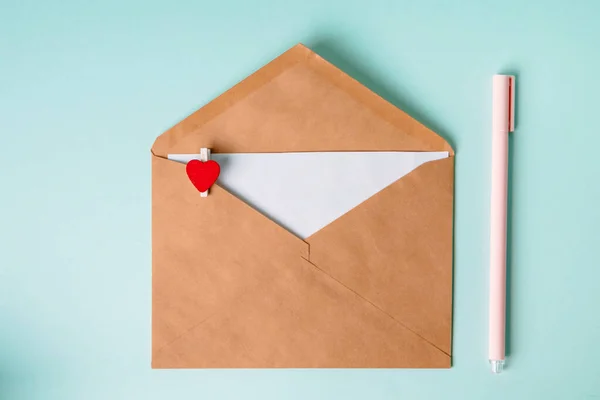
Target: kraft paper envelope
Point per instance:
(232, 288)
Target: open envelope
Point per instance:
(232, 288)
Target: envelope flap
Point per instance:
(210, 246)
(395, 250)
(298, 102)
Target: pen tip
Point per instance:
(497, 366)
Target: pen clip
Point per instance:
(503, 118)
(511, 105)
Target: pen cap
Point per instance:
(503, 117)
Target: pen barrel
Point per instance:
(498, 221)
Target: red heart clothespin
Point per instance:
(203, 174)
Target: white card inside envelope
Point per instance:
(303, 192)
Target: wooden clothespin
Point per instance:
(204, 157)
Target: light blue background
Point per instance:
(85, 87)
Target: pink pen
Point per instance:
(503, 121)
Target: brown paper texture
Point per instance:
(232, 289)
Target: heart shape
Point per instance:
(203, 174)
